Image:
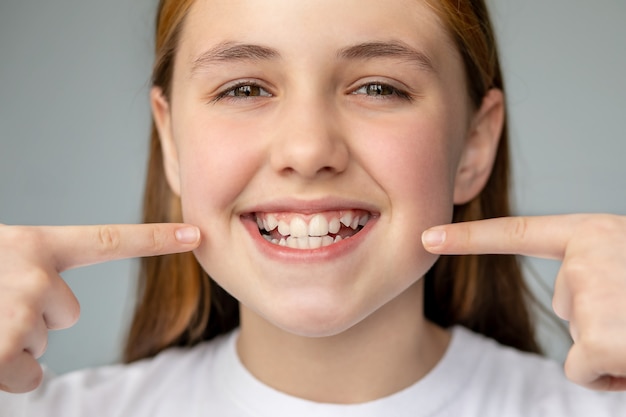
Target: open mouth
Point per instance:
(300, 231)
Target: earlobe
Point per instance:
(480, 148)
(163, 122)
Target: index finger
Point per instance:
(75, 246)
(540, 236)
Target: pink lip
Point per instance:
(285, 254)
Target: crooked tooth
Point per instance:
(265, 225)
(283, 228)
(364, 219)
(298, 227)
(275, 241)
(272, 222)
(355, 223)
(282, 242)
(327, 240)
(334, 225)
(337, 239)
(259, 223)
(318, 226)
(346, 219)
(268, 238)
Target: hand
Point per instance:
(590, 289)
(34, 298)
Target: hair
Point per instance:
(180, 305)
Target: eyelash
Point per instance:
(393, 92)
(226, 94)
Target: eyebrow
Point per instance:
(233, 51)
(391, 49)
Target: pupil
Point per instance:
(378, 90)
(247, 91)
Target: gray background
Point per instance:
(74, 122)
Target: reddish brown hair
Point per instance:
(179, 304)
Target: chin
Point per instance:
(316, 317)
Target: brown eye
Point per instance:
(380, 90)
(248, 91)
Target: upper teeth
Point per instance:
(318, 225)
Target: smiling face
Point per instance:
(313, 143)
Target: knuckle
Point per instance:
(34, 381)
(519, 228)
(602, 224)
(593, 343)
(108, 238)
(158, 238)
(24, 237)
(23, 316)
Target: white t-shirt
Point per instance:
(476, 377)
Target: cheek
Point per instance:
(413, 159)
(217, 160)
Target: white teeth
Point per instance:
(308, 242)
(334, 225)
(318, 226)
(346, 219)
(283, 228)
(272, 222)
(315, 242)
(297, 234)
(298, 228)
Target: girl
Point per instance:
(315, 147)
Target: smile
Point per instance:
(299, 231)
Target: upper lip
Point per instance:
(291, 205)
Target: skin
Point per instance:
(321, 334)
(310, 141)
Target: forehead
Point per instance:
(316, 28)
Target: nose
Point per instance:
(309, 141)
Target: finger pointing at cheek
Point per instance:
(33, 296)
(590, 288)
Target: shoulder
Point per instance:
(162, 385)
(504, 378)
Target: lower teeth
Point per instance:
(306, 242)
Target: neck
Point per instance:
(388, 351)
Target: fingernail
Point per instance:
(187, 234)
(433, 238)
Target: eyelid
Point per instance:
(223, 92)
(400, 91)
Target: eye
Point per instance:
(380, 90)
(243, 90)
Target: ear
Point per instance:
(163, 122)
(480, 148)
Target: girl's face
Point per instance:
(313, 142)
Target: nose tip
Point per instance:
(310, 147)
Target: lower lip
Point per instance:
(325, 253)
